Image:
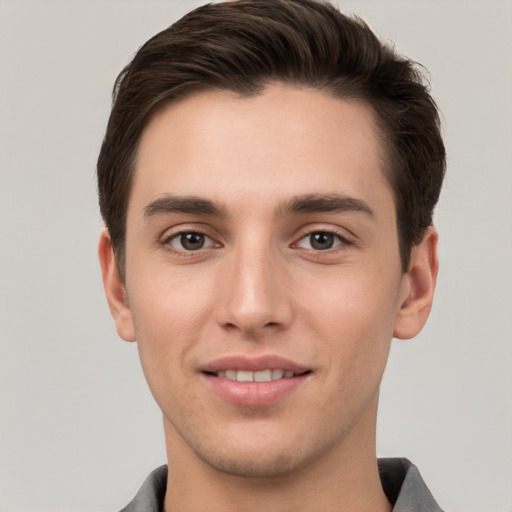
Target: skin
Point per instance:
(260, 286)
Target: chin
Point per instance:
(260, 454)
(257, 464)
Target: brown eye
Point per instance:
(190, 241)
(321, 241)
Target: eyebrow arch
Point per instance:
(317, 203)
(183, 204)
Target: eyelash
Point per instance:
(182, 252)
(185, 252)
(342, 240)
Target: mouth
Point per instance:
(257, 376)
(254, 381)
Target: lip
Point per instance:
(253, 394)
(253, 364)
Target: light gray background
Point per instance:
(78, 428)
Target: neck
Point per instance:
(346, 478)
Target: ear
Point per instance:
(115, 290)
(418, 286)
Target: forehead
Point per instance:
(284, 141)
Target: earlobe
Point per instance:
(115, 290)
(418, 283)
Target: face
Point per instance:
(263, 280)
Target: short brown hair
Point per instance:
(243, 46)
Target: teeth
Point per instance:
(277, 374)
(244, 376)
(231, 374)
(261, 376)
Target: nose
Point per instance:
(254, 296)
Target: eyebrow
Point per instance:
(330, 203)
(183, 204)
(306, 203)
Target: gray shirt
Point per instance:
(400, 479)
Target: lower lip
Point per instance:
(254, 394)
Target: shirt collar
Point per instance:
(400, 479)
(404, 486)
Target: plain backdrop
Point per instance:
(78, 428)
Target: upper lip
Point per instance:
(254, 364)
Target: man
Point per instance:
(267, 180)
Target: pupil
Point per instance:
(322, 241)
(192, 241)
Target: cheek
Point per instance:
(168, 304)
(169, 315)
(350, 318)
(354, 316)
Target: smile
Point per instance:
(259, 376)
(255, 381)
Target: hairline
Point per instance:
(387, 153)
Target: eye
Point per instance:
(190, 241)
(321, 241)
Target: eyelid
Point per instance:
(178, 231)
(178, 236)
(342, 235)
